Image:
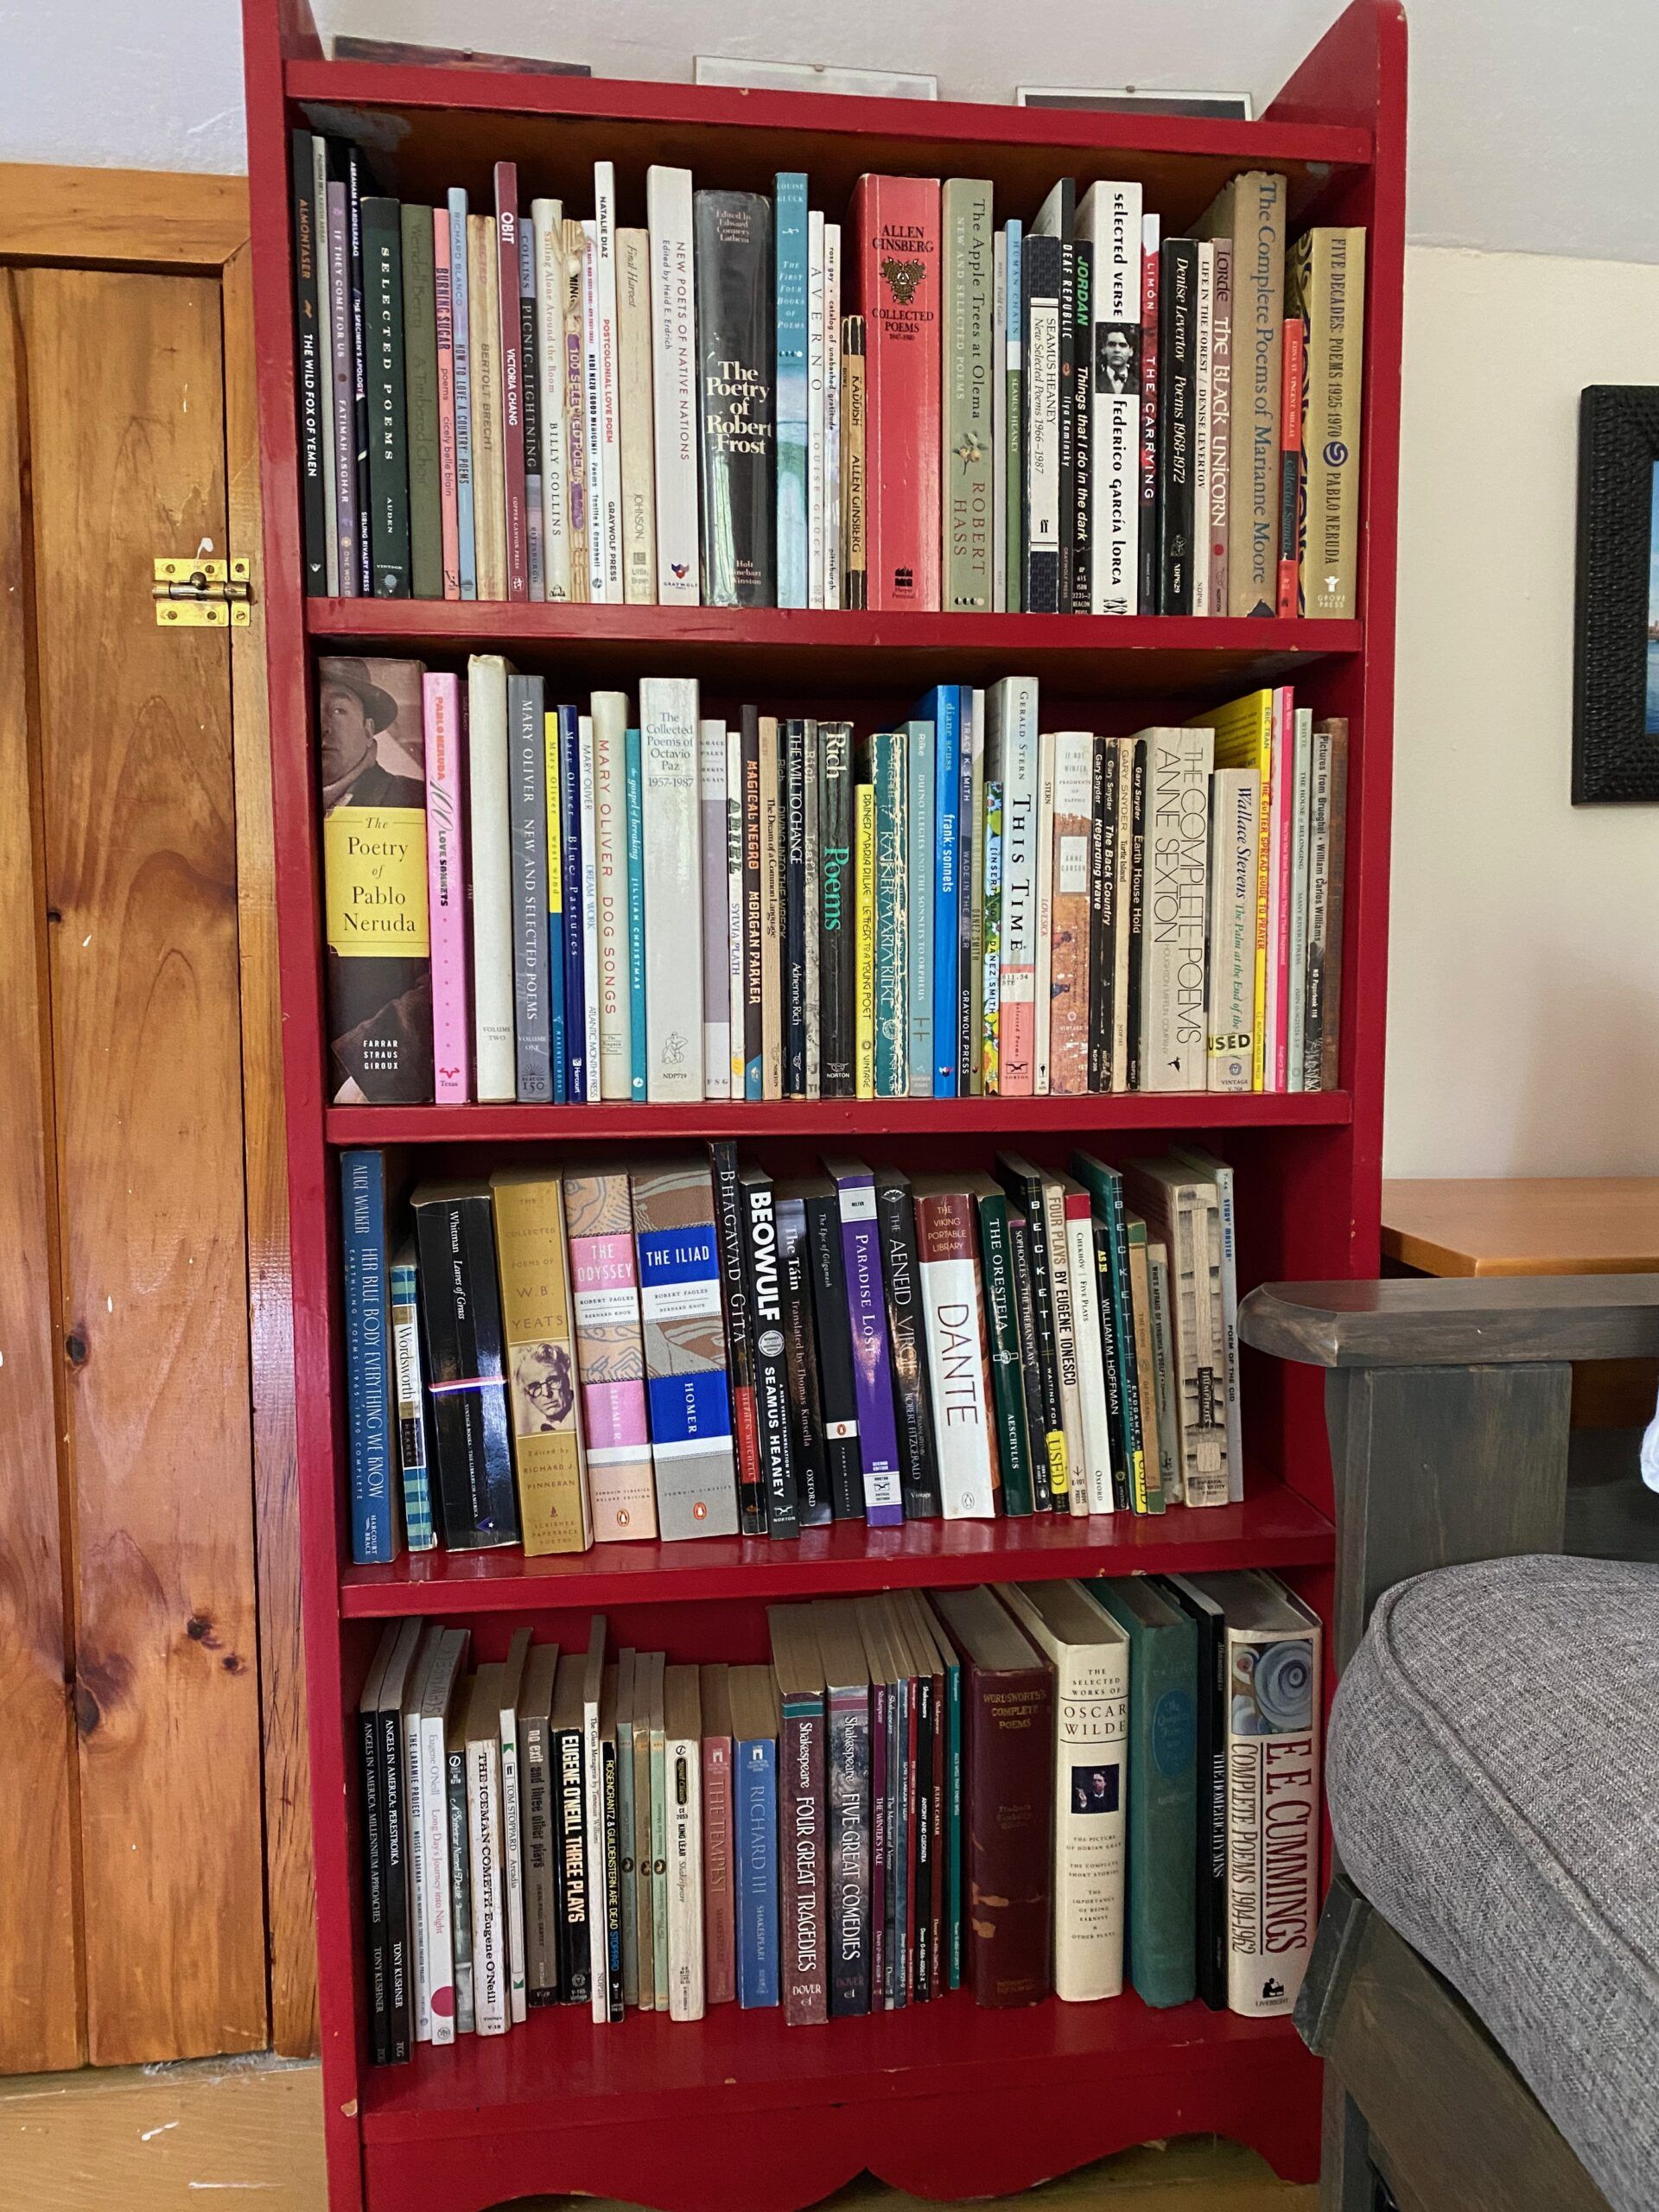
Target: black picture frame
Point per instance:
(1615, 731)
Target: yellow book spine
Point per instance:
(489, 445)
(1326, 283)
(554, 845)
(533, 1266)
(864, 938)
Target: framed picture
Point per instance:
(1616, 630)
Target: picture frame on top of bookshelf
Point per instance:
(787, 2116)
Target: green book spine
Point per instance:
(1147, 1473)
(1008, 1392)
(1105, 1188)
(1163, 1801)
(421, 395)
(965, 463)
(887, 753)
(383, 318)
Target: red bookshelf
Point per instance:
(783, 2116)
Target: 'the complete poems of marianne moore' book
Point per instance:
(895, 222)
(736, 370)
(685, 1349)
(541, 1363)
(372, 771)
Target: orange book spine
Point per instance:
(895, 224)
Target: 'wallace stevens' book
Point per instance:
(379, 984)
(735, 374)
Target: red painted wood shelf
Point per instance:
(1274, 1526)
(838, 1117)
(943, 2100)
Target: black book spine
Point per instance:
(613, 1878)
(1025, 1315)
(1113, 1363)
(1102, 902)
(924, 1841)
(794, 888)
(310, 227)
(813, 1502)
(1025, 1191)
(737, 369)
(1209, 1901)
(765, 1284)
(1081, 447)
(356, 177)
(460, 1309)
(374, 1884)
(848, 1785)
(1178, 370)
(1068, 442)
(575, 1957)
(837, 1072)
(833, 1325)
(740, 1339)
(1133, 908)
(919, 1464)
(400, 1997)
(1150, 563)
(754, 933)
(1040, 316)
(383, 277)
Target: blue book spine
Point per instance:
(465, 557)
(368, 1356)
(575, 987)
(944, 705)
(918, 907)
(553, 785)
(636, 806)
(966, 830)
(789, 227)
(756, 1808)
(878, 1433)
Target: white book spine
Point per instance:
(1095, 1477)
(513, 1865)
(832, 415)
(1119, 921)
(487, 785)
(1230, 960)
(433, 1841)
(811, 902)
(1110, 218)
(610, 413)
(587, 798)
(415, 1857)
(1301, 801)
(1000, 422)
(815, 509)
(734, 849)
(1229, 1224)
(547, 239)
(1272, 1786)
(1012, 760)
(1204, 333)
(1043, 975)
(1042, 388)
(717, 916)
(535, 524)
(674, 383)
(683, 1755)
(599, 1961)
(325, 361)
(637, 439)
(953, 1325)
(593, 391)
(668, 744)
(489, 2005)
(1174, 1053)
(610, 720)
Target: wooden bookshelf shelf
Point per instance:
(943, 2100)
(1272, 1527)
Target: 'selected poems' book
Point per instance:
(372, 771)
(382, 369)
(685, 1349)
(893, 249)
(489, 785)
(1110, 221)
(536, 1308)
(1325, 286)
(1089, 1653)
(674, 382)
(461, 1306)
(959, 1363)
(610, 1353)
(673, 847)
(736, 370)
(1174, 1048)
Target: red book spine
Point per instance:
(805, 1986)
(895, 223)
(512, 378)
(1009, 1725)
(1149, 425)
(1290, 467)
(443, 278)
(719, 1901)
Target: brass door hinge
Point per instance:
(202, 594)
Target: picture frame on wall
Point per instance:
(1616, 624)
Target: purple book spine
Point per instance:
(878, 1701)
(878, 1434)
(345, 422)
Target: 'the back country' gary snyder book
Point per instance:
(372, 771)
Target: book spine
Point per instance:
(1149, 1473)
(489, 458)
(613, 1854)
(400, 1964)
(1043, 919)
(864, 939)
(1091, 1698)
(1040, 278)
(1069, 1494)
(1083, 426)
(920, 799)
(756, 1789)
(593, 409)
(515, 473)
(833, 409)
(1163, 1813)
(1328, 287)
(1230, 958)
(533, 1028)
(610, 1357)
(460, 1884)
(855, 582)
(1111, 1363)
(1221, 418)
(1280, 862)
(1096, 1469)
(755, 992)
(837, 919)
(906, 1291)
(813, 1502)
(1151, 534)
(719, 1945)
(368, 1375)
(837, 1386)
(812, 915)
(344, 424)
(1008, 1721)
(1258, 233)
(446, 889)
(489, 775)
(418, 1529)
(574, 960)
(1331, 1042)
(374, 1886)
(872, 1369)
(637, 441)
(1133, 969)
(895, 223)
(790, 383)
(1016, 761)
(968, 442)
(794, 900)
(685, 1821)
(735, 932)
(880, 1812)
(610, 714)
(675, 1238)
(849, 1917)
(969, 887)
(815, 396)
(1116, 398)
(958, 1360)
(512, 1864)
(890, 781)
(547, 246)
(490, 2000)
(309, 376)
(674, 382)
(1289, 595)
(645, 1666)
(587, 798)
(541, 1877)
(609, 365)
(1014, 440)
(1301, 780)
(1102, 909)
(772, 911)
(358, 306)
(737, 370)
(1013, 1446)
(1069, 922)
(420, 401)
(1174, 1044)
(999, 423)
(801, 1814)
(740, 1337)
(945, 891)
(530, 370)
(1204, 311)
(1030, 1371)
(766, 1289)
(1176, 421)
(576, 290)
(321, 165)
(461, 345)
(667, 734)
(716, 945)
(576, 1944)
(990, 989)
(659, 1855)
(1273, 1818)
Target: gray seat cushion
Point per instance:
(1493, 1779)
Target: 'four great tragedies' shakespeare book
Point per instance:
(685, 1349)
(736, 372)
(472, 1456)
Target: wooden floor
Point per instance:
(167, 2138)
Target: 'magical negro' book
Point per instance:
(736, 373)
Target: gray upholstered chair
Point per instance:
(1485, 1986)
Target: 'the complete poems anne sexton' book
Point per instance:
(685, 1348)
(610, 1353)
(894, 253)
(374, 778)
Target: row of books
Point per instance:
(599, 1352)
(1123, 1775)
(1072, 413)
(526, 902)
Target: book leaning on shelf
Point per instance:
(1059, 407)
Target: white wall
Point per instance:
(1523, 999)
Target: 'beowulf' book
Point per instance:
(373, 778)
(610, 1353)
(685, 1349)
(472, 1456)
(893, 251)
(537, 1319)
(765, 1290)
(736, 372)
(683, 1757)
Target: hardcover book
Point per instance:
(736, 370)
(835, 910)
(959, 1363)
(610, 1353)
(489, 461)
(515, 520)
(1230, 953)
(1110, 219)
(535, 1309)
(1163, 1801)
(421, 403)
(1011, 1450)
(685, 1350)
(311, 371)
(716, 943)
(837, 1386)
(1068, 974)
(446, 890)
(966, 414)
(740, 1336)
(894, 256)
(472, 1454)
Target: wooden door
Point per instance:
(132, 1920)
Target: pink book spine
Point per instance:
(719, 1900)
(449, 513)
(610, 1354)
(446, 880)
(1283, 828)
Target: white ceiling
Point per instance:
(1532, 126)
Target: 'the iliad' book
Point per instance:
(685, 1349)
